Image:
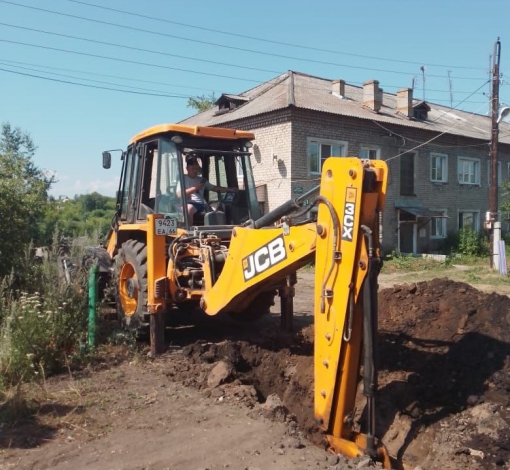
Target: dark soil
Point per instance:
(443, 402)
(444, 350)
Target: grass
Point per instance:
(462, 268)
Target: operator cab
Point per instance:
(153, 174)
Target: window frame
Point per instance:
(344, 146)
(444, 176)
(476, 218)
(369, 148)
(442, 221)
(473, 160)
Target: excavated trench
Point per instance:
(444, 382)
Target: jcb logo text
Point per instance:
(349, 214)
(268, 255)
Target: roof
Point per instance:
(214, 132)
(294, 89)
(423, 212)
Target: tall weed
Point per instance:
(43, 319)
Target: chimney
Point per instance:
(405, 102)
(372, 95)
(338, 88)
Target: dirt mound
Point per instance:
(444, 358)
(443, 399)
(444, 352)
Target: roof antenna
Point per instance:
(422, 68)
(451, 89)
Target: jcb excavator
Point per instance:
(230, 258)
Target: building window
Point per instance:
(489, 173)
(370, 153)
(438, 168)
(469, 220)
(438, 226)
(469, 170)
(407, 174)
(320, 149)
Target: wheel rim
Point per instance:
(128, 289)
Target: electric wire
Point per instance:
(208, 43)
(8, 64)
(201, 88)
(86, 79)
(421, 142)
(128, 61)
(86, 72)
(270, 41)
(139, 49)
(93, 86)
(427, 142)
(461, 102)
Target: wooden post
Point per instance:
(157, 333)
(287, 293)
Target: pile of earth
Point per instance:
(444, 375)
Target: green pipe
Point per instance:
(92, 305)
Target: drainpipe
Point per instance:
(92, 305)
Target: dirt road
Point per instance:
(240, 396)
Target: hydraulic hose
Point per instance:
(369, 340)
(286, 208)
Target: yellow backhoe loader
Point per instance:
(225, 256)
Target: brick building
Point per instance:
(438, 157)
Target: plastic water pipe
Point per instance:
(92, 305)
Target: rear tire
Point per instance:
(131, 288)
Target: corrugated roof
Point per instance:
(315, 93)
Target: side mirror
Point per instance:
(107, 160)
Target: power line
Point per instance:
(86, 79)
(430, 140)
(270, 41)
(22, 64)
(161, 53)
(10, 62)
(157, 33)
(453, 109)
(95, 41)
(93, 86)
(128, 61)
(404, 138)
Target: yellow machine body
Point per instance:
(163, 260)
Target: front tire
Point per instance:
(131, 288)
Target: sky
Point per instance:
(134, 64)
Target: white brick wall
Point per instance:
(280, 161)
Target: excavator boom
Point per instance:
(348, 260)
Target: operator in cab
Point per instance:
(194, 187)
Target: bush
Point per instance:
(466, 242)
(472, 244)
(43, 320)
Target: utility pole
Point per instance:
(494, 225)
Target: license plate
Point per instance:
(165, 226)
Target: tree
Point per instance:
(23, 196)
(201, 103)
(85, 214)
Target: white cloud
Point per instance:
(66, 186)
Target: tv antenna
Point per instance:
(451, 88)
(422, 68)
